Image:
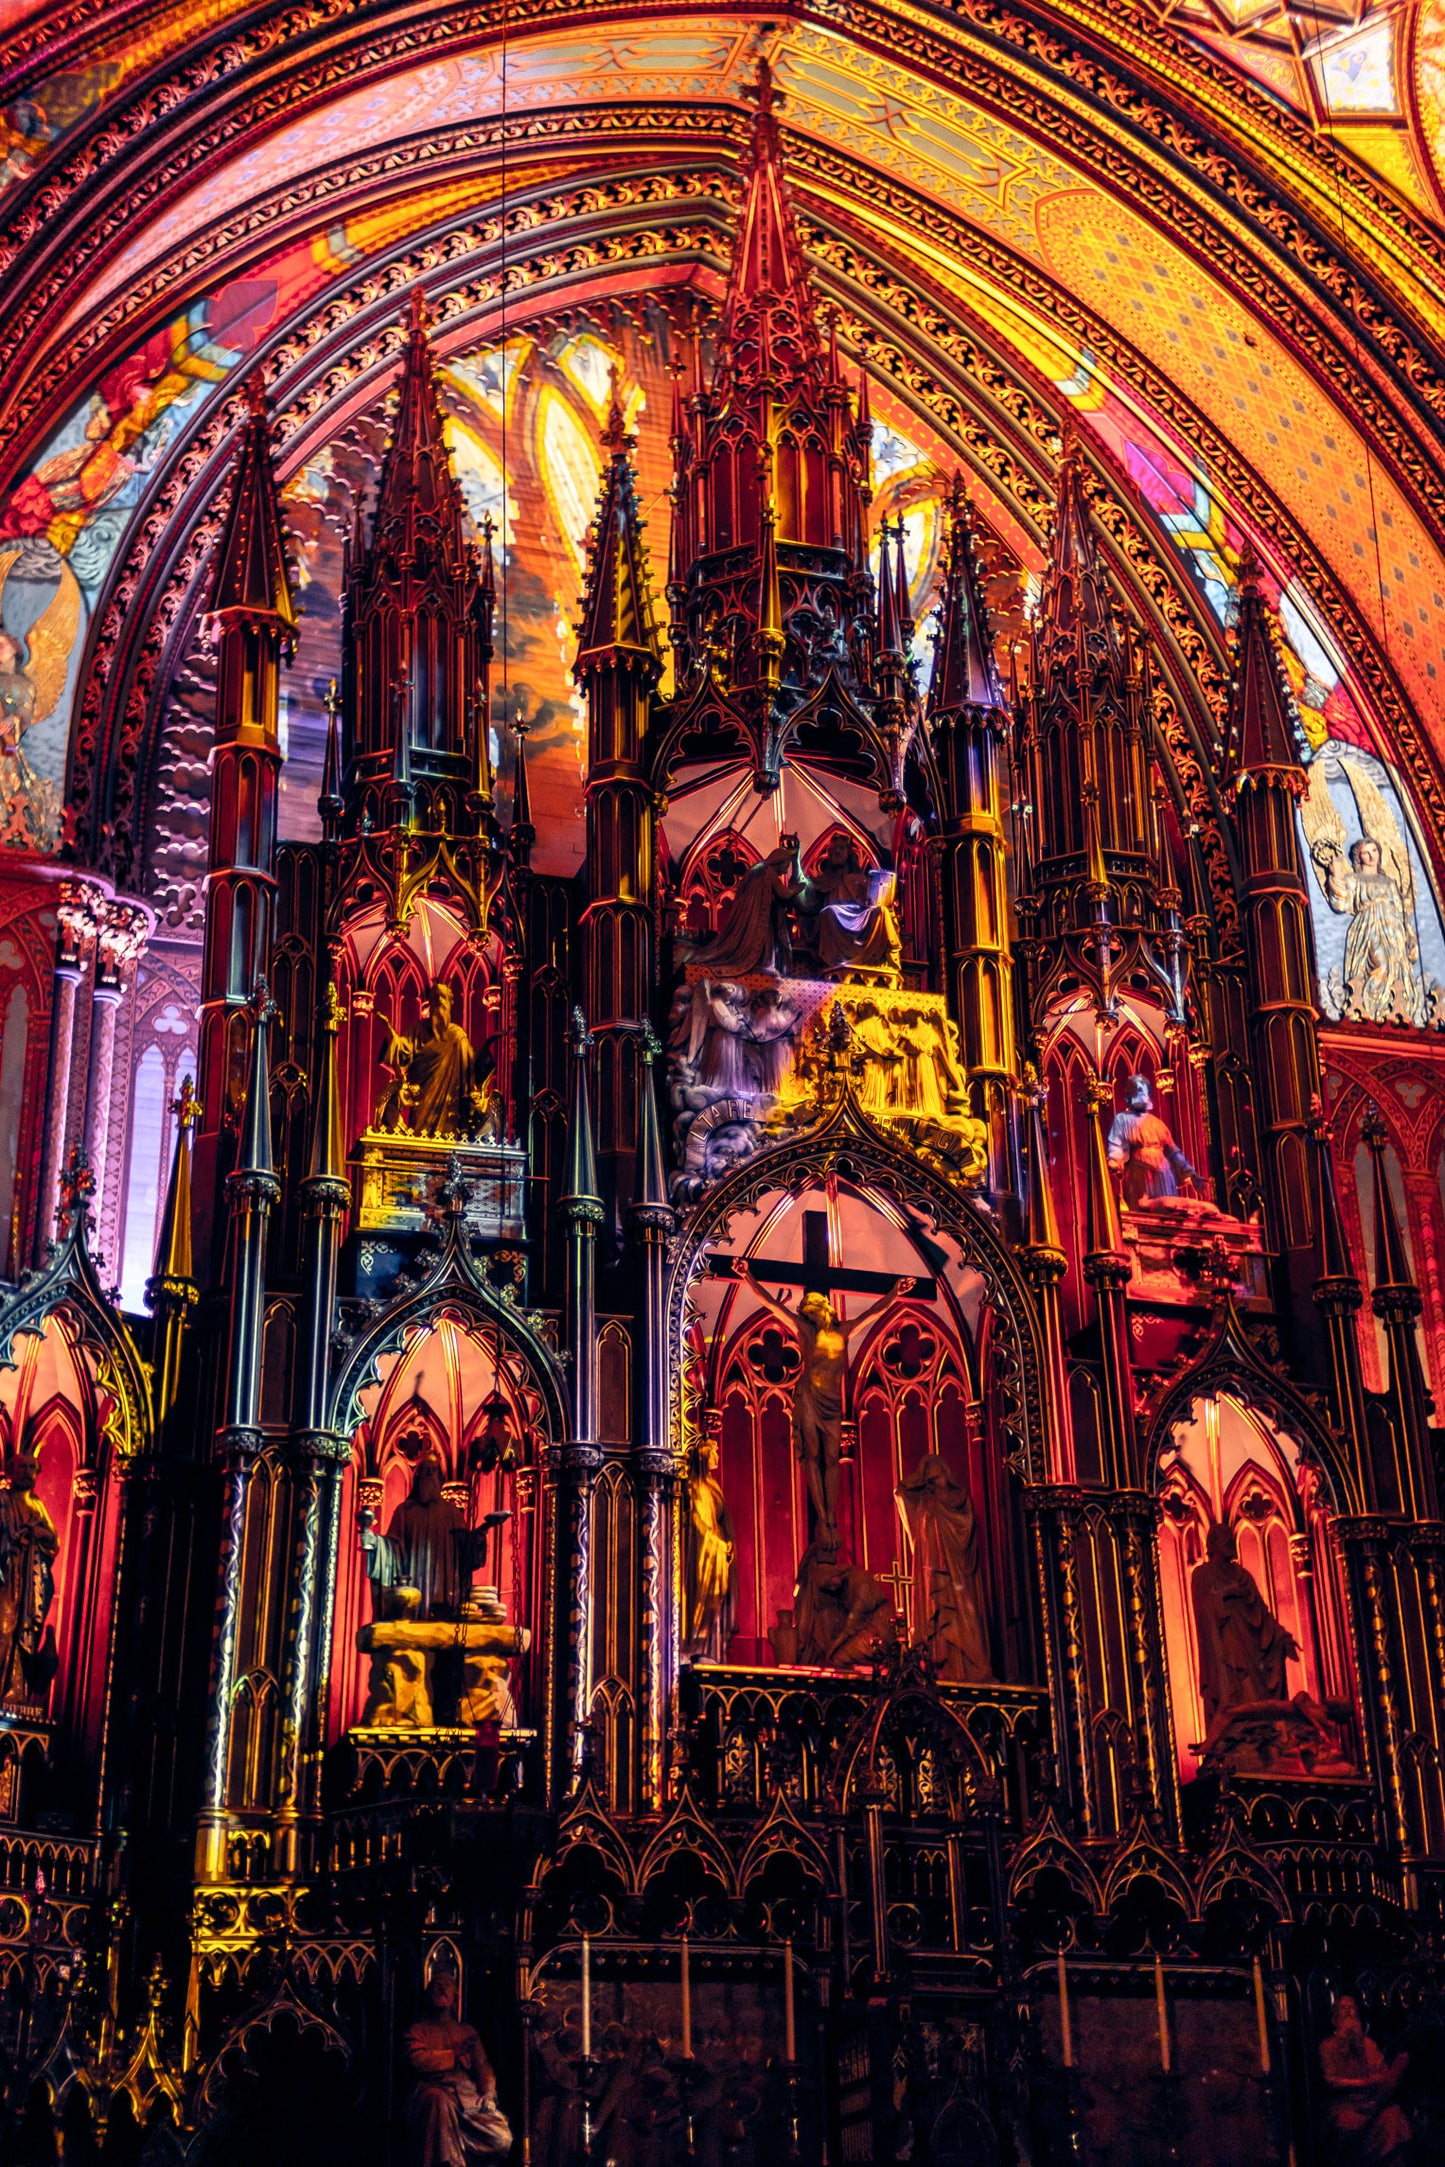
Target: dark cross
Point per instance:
(818, 1274)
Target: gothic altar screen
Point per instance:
(917, 1375)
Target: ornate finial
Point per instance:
(254, 393)
(333, 1010)
(263, 1008)
(579, 1035)
(1318, 1121)
(418, 315)
(762, 90)
(615, 437)
(332, 701)
(651, 1045)
(77, 1183)
(1374, 1128)
(453, 1192)
(187, 1108)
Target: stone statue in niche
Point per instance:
(1253, 1725)
(1141, 1149)
(452, 2115)
(948, 1611)
(818, 1394)
(428, 1547)
(28, 1547)
(436, 1087)
(711, 1549)
(1243, 1648)
(757, 934)
(846, 917)
(438, 1649)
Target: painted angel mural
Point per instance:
(40, 616)
(1382, 963)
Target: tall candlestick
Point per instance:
(1065, 2023)
(790, 2044)
(1261, 2019)
(586, 1998)
(1162, 2008)
(686, 2003)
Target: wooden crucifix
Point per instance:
(821, 1387)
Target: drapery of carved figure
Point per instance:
(1360, 2085)
(818, 1394)
(428, 1546)
(434, 1075)
(452, 2115)
(948, 1616)
(1142, 1149)
(850, 1615)
(711, 1548)
(28, 1546)
(756, 935)
(847, 916)
(1243, 1648)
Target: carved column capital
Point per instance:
(121, 932)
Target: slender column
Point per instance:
(1339, 1299)
(172, 1291)
(1054, 1511)
(576, 1462)
(1135, 1521)
(1107, 1269)
(121, 930)
(1396, 1302)
(252, 1192)
(76, 905)
(1046, 1265)
(1364, 1540)
(317, 1454)
(651, 1223)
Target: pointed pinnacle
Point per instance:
(1392, 1265)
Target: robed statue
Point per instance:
(756, 935)
(1142, 1149)
(847, 915)
(948, 1618)
(434, 1074)
(1243, 1648)
(818, 1394)
(428, 1547)
(452, 2115)
(711, 1549)
(28, 1545)
(1360, 2084)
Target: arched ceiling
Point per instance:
(1027, 218)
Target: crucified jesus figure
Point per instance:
(819, 1392)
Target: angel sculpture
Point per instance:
(1373, 883)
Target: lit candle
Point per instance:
(686, 2003)
(790, 2044)
(1261, 2019)
(586, 1999)
(1162, 2007)
(1064, 2022)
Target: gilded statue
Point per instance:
(28, 1546)
(1142, 1149)
(1364, 2122)
(1243, 1648)
(1382, 953)
(819, 1392)
(435, 1088)
(948, 1610)
(452, 2116)
(711, 1549)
